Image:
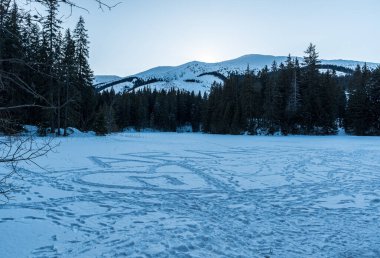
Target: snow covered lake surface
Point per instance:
(194, 195)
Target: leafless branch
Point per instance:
(19, 149)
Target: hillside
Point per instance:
(199, 76)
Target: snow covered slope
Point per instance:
(98, 79)
(199, 76)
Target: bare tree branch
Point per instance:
(17, 148)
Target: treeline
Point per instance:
(46, 80)
(165, 110)
(45, 76)
(293, 98)
(288, 98)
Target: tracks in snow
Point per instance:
(280, 201)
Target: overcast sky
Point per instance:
(141, 34)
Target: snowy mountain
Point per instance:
(199, 76)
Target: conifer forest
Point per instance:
(46, 80)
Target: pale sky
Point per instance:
(141, 34)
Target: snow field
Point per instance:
(197, 195)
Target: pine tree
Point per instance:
(100, 126)
(358, 112)
(294, 99)
(84, 73)
(12, 69)
(272, 101)
(247, 101)
(68, 77)
(310, 84)
(375, 101)
(4, 14)
(59, 84)
(290, 97)
(51, 41)
(328, 98)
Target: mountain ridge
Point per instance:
(188, 77)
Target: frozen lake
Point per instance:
(195, 195)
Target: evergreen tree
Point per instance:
(69, 77)
(247, 101)
(100, 127)
(357, 119)
(290, 94)
(84, 73)
(12, 72)
(328, 98)
(272, 101)
(375, 101)
(294, 97)
(310, 108)
(51, 40)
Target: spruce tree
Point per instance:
(310, 84)
(358, 111)
(272, 101)
(51, 40)
(100, 126)
(247, 101)
(69, 77)
(84, 73)
(12, 69)
(375, 101)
